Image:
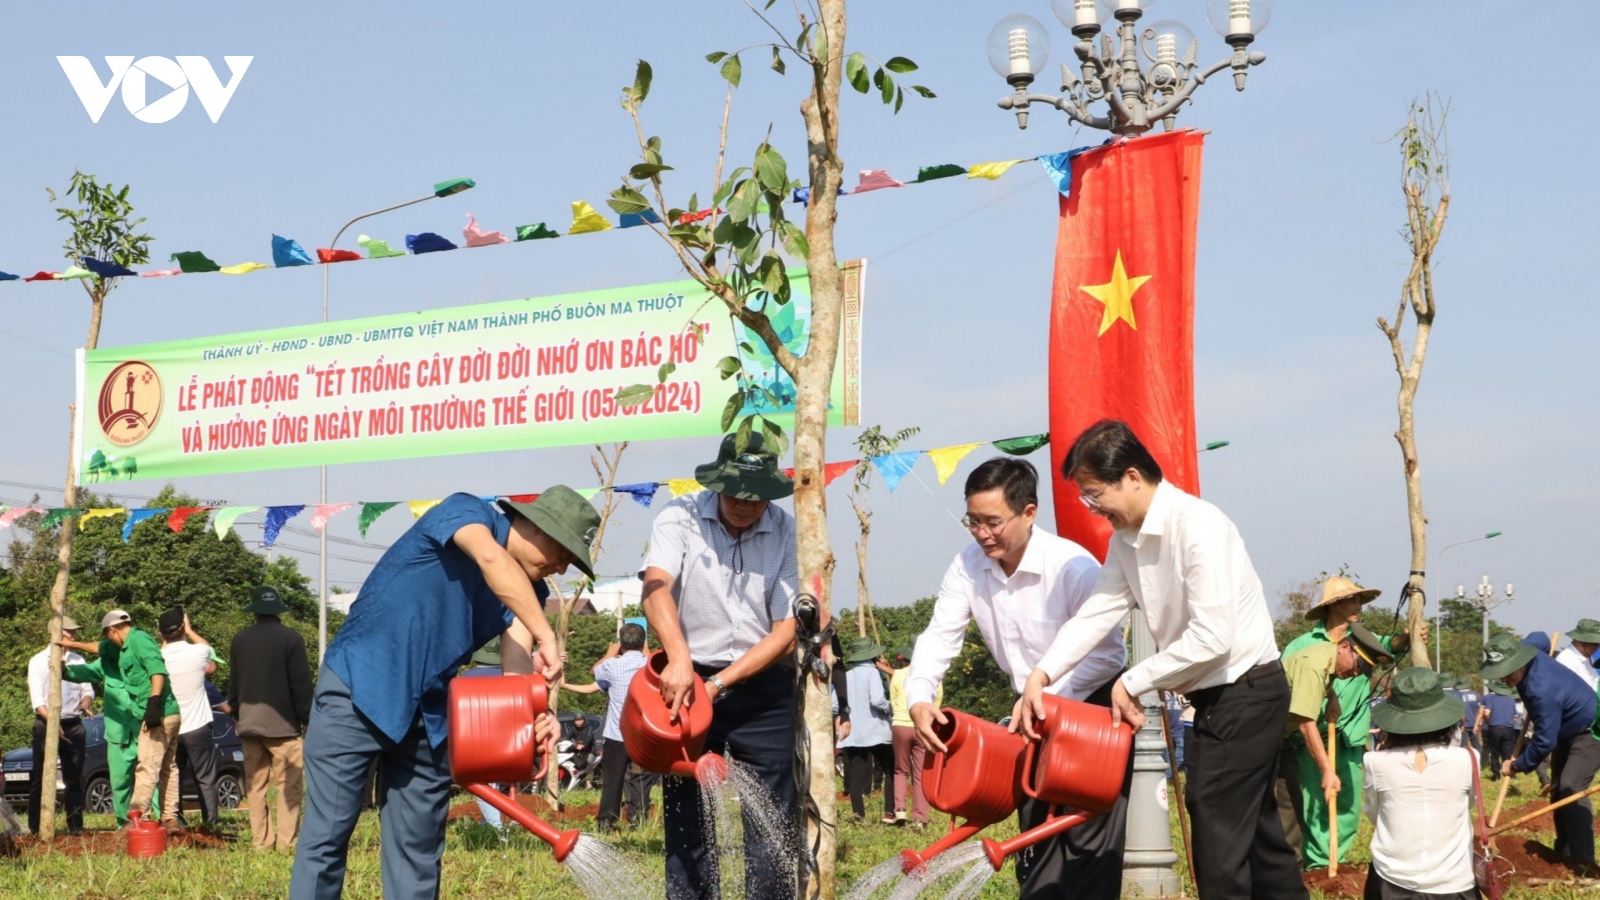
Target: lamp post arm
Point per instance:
(1183, 93)
(375, 212)
(1073, 110)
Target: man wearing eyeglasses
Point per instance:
(1021, 584)
(1313, 673)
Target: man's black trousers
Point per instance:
(1240, 852)
(1572, 768)
(621, 784)
(69, 749)
(197, 755)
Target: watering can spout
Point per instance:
(912, 860)
(997, 851)
(561, 842)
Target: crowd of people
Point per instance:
(1281, 747)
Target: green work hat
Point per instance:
(265, 601)
(567, 518)
(1503, 655)
(751, 475)
(1587, 630)
(863, 649)
(1417, 704)
(1369, 646)
(904, 652)
(488, 654)
(1500, 687)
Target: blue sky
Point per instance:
(348, 107)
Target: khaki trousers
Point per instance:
(158, 752)
(274, 763)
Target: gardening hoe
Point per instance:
(1573, 798)
(1505, 781)
(1332, 714)
(1177, 785)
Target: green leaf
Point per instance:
(627, 201)
(899, 99)
(794, 240)
(633, 395)
(731, 70)
(730, 412)
(647, 170)
(741, 441)
(885, 83)
(743, 203)
(690, 235)
(667, 368)
(745, 346)
(819, 45)
(777, 441)
(716, 57)
(777, 61)
(729, 366)
(900, 64)
(771, 170)
(641, 82)
(855, 71)
(924, 91)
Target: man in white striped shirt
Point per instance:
(1021, 584)
(76, 700)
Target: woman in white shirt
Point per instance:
(1419, 796)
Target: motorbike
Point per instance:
(579, 763)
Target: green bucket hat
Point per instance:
(488, 654)
(1587, 630)
(863, 649)
(265, 601)
(1417, 704)
(751, 475)
(1499, 687)
(567, 518)
(904, 652)
(1503, 655)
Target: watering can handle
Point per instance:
(1028, 757)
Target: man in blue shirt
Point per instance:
(1561, 707)
(614, 674)
(1497, 725)
(464, 573)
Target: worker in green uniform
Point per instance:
(1339, 609)
(121, 721)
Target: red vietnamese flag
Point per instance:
(1122, 311)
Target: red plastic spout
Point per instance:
(997, 851)
(911, 860)
(561, 842)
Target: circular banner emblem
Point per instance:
(130, 401)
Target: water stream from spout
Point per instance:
(949, 862)
(737, 809)
(603, 872)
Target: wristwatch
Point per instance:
(722, 689)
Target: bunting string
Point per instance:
(893, 467)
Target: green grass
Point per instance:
(478, 866)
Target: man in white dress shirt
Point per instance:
(1182, 563)
(1020, 584)
(1579, 657)
(75, 702)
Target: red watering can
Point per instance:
(145, 839)
(979, 778)
(492, 739)
(658, 744)
(1080, 763)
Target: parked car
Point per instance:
(97, 772)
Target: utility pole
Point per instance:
(1147, 862)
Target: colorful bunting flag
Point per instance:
(803, 195)
(160, 273)
(7, 276)
(1059, 167)
(427, 242)
(42, 276)
(377, 249)
(419, 507)
(681, 486)
(370, 513)
(586, 220)
(57, 516)
(587, 493)
(876, 180)
(106, 269)
(327, 255)
(194, 261)
(535, 231)
(831, 471)
(1022, 446)
(523, 498)
(287, 253)
(477, 237)
(276, 517)
(690, 217)
(177, 517)
(946, 458)
(325, 511)
(634, 220)
(643, 493)
(226, 516)
(991, 170)
(894, 466)
(934, 173)
(16, 512)
(244, 268)
(75, 272)
(135, 516)
(101, 513)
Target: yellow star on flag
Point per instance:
(1117, 295)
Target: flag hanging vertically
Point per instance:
(1122, 311)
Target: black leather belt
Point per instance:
(1264, 670)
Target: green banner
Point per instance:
(513, 375)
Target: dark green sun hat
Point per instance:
(1417, 704)
(751, 475)
(488, 654)
(1587, 630)
(863, 649)
(904, 652)
(1500, 687)
(265, 601)
(1503, 655)
(567, 518)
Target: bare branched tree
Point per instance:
(870, 443)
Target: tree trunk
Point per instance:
(813, 381)
(863, 598)
(1416, 614)
(58, 609)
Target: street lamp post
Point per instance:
(1460, 591)
(442, 189)
(1488, 601)
(1136, 96)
